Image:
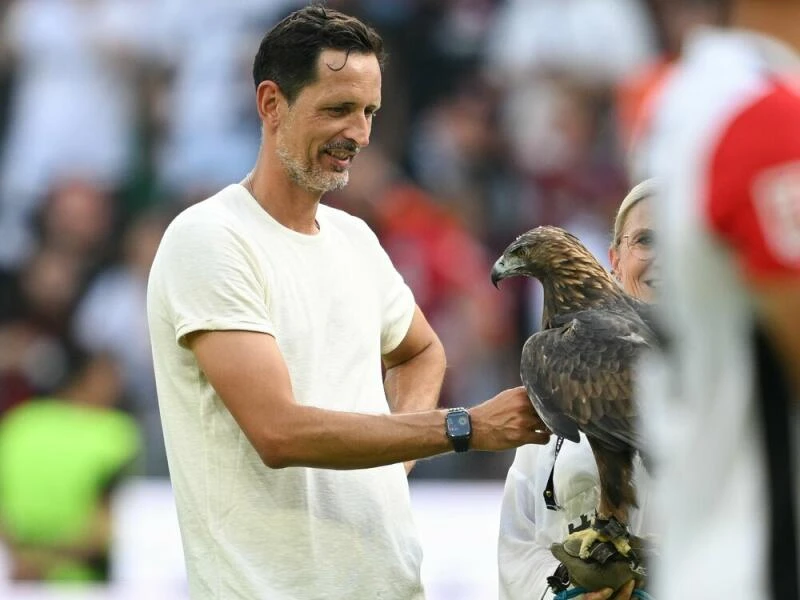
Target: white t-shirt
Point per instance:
(334, 304)
(528, 527)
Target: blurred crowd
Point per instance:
(498, 115)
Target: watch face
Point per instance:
(458, 424)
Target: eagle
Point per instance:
(578, 368)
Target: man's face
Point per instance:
(330, 121)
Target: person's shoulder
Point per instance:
(720, 76)
(212, 209)
(345, 222)
(206, 229)
(339, 217)
(731, 72)
(216, 215)
(762, 133)
(778, 105)
(32, 410)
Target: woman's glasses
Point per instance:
(641, 244)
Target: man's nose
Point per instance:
(359, 130)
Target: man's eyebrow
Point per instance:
(351, 104)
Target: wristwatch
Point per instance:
(458, 427)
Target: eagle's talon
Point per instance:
(588, 538)
(602, 531)
(586, 546)
(622, 545)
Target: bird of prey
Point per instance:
(578, 369)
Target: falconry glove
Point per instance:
(605, 567)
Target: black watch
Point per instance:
(458, 427)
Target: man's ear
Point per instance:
(269, 99)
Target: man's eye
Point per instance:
(337, 111)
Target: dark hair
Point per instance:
(289, 51)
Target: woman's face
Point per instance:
(632, 260)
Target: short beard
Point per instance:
(307, 176)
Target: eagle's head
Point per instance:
(546, 252)
(571, 275)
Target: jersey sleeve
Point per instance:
(753, 191)
(210, 280)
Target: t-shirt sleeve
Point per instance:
(211, 280)
(753, 193)
(397, 300)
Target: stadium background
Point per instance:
(115, 114)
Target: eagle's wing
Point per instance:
(649, 314)
(579, 376)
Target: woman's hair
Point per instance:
(642, 191)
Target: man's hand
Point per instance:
(506, 421)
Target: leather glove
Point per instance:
(605, 568)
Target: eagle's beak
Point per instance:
(498, 271)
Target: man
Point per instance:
(269, 315)
(725, 144)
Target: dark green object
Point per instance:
(614, 572)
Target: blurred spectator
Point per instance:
(73, 104)
(637, 93)
(78, 218)
(74, 230)
(443, 44)
(561, 145)
(60, 457)
(209, 138)
(35, 350)
(457, 155)
(6, 72)
(112, 318)
(555, 65)
(594, 41)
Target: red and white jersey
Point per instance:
(724, 145)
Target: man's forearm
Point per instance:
(313, 437)
(295, 435)
(416, 384)
(412, 386)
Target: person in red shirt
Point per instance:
(722, 398)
